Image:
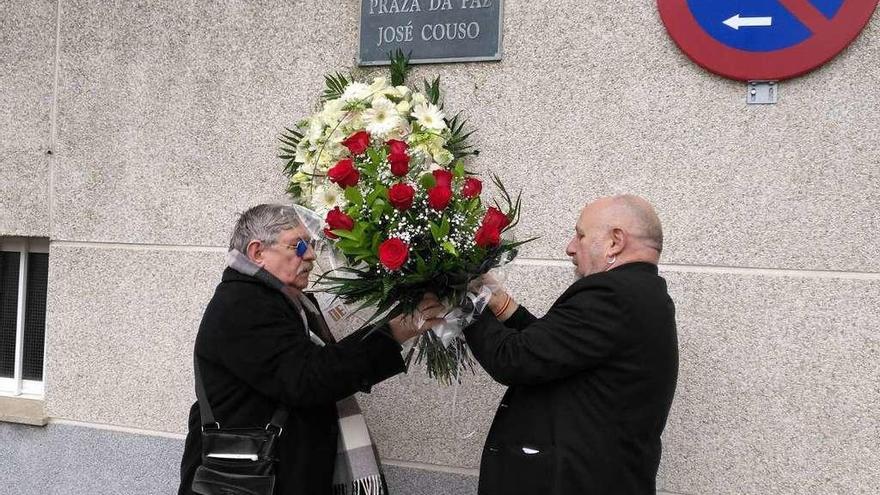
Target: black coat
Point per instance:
(254, 353)
(589, 388)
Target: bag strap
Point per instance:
(204, 406)
(279, 417)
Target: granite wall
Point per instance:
(132, 133)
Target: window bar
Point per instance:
(45, 333)
(19, 323)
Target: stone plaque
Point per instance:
(432, 31)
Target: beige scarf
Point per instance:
(357, 470)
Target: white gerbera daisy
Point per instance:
(355, 91)
(429, 116)
(381, 118)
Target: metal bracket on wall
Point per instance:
(761, 92)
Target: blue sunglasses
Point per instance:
(301, 247)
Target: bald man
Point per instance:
(591, 382)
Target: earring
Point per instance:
(613, 260)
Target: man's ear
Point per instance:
(618, 241)
(255, 252)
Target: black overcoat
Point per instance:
(254, 353)
(589, 388)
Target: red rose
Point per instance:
(330, 234)
(396, 147)
(399, 164)
(472, 187)
(393, 253)
(443, 178)
(439, 197)
(397, 157)
(487, 236)
(358, 142)
(401, 196)
(337, 220)
(344, 173)
(495, 218)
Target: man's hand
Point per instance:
(501, 304)
(493, 281)
(427, 314)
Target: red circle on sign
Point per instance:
(830, 37)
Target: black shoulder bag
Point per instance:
(235, 461)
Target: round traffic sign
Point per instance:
(764, 39)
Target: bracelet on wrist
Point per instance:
(503, 307)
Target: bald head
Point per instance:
(616, 230)
(633, 214)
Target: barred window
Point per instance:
(24, 274)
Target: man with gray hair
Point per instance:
(591, 382)
(263, 343)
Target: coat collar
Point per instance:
(232, 275)
(636, 267)
(639, 266)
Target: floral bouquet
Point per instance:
(383, 165)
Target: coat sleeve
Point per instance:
(576, 334)
(270, 351)
(521, 318)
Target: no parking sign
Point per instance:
(764, 39)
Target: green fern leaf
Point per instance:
(399, 67)
(336, 84)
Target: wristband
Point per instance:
(503, 307)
